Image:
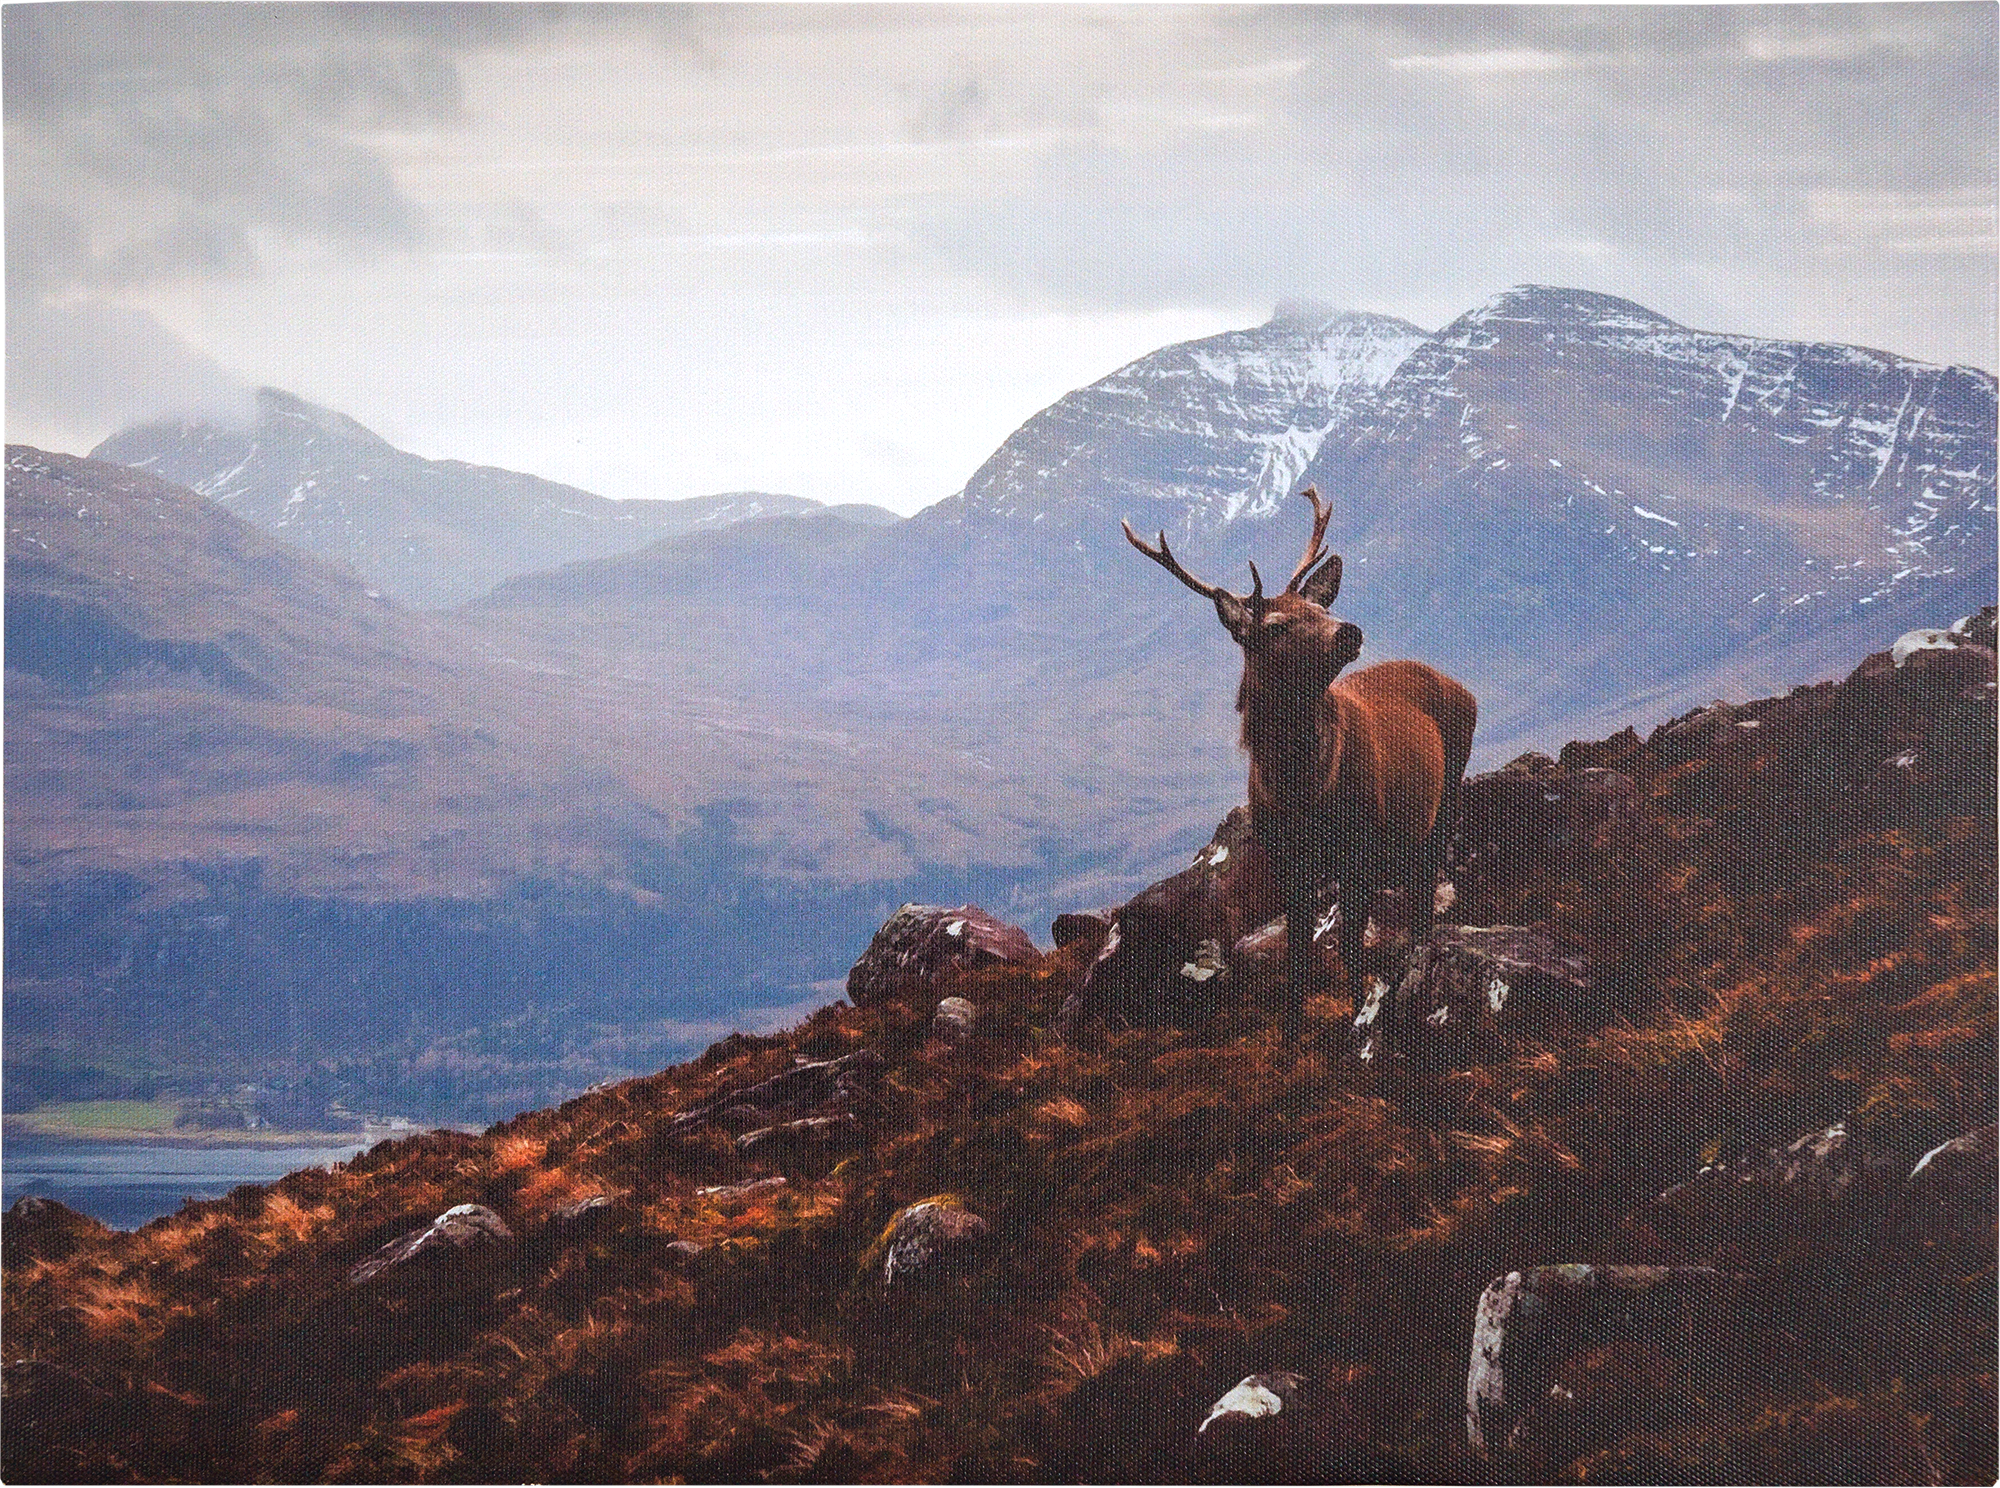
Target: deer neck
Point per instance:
(1282, 734)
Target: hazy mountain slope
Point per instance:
(256, 814)
(428, 532)
(777, 727)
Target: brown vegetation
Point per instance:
(1792, 941)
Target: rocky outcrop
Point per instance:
(1534, 1332)
(465, 1240)
(1949, 1195)
(1534, 808)
(1089, 926)
(1827, 1181)
(841, 1085)
(731, 1194)
(953, 1020)
(1163, 958)
(921, 943)
(1468, 989)
(809, 1135)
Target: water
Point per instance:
(127, 1184)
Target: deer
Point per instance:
(1353, 780)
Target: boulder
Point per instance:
(461, 1242)
(1257, 1433)
(1827, 1182)
(1256, 1397)
(926, 1240)
(1951, 1194)
(1088, 926)
(921, 943)
(953, 1020)
(1467, 988)
(44, 1229)
(1138, 974)
(1536, 1332)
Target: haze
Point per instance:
(843, 252)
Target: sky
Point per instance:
(843, 251)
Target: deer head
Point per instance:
(1291, 645)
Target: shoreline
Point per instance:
(15, 1130)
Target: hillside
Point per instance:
(693, 769)
(426, 532)
(913, 1242)
(259, 818)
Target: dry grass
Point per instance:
(1166, 1216)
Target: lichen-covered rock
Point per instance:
(837, 1084)
(926, 1239)
(462, 1239)
(44, 1229)
(1469, 986)
(953, 1020)
(1830, 1181)
(1952, 1193)
(921, 943)
(1532, 1327)
(1138, 974)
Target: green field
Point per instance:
(94, 1118)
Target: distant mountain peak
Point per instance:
(277, 409)
(1556, 305)
(1198, 433)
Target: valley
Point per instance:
(281, 812)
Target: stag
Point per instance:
(1352, 781)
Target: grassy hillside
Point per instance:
(1794, 925)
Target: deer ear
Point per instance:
(1234, 614)
(1323, 583)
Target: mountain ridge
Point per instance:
(431, 533)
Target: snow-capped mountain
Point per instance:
(427, 532)
(1571, 475)
(1194, 435)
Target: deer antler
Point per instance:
(1164, 556)
(1316, 544)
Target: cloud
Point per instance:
(76, 369)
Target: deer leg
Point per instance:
(1423, 894)
(1298, 959)
(1356, 899)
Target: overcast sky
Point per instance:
(843, 252)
